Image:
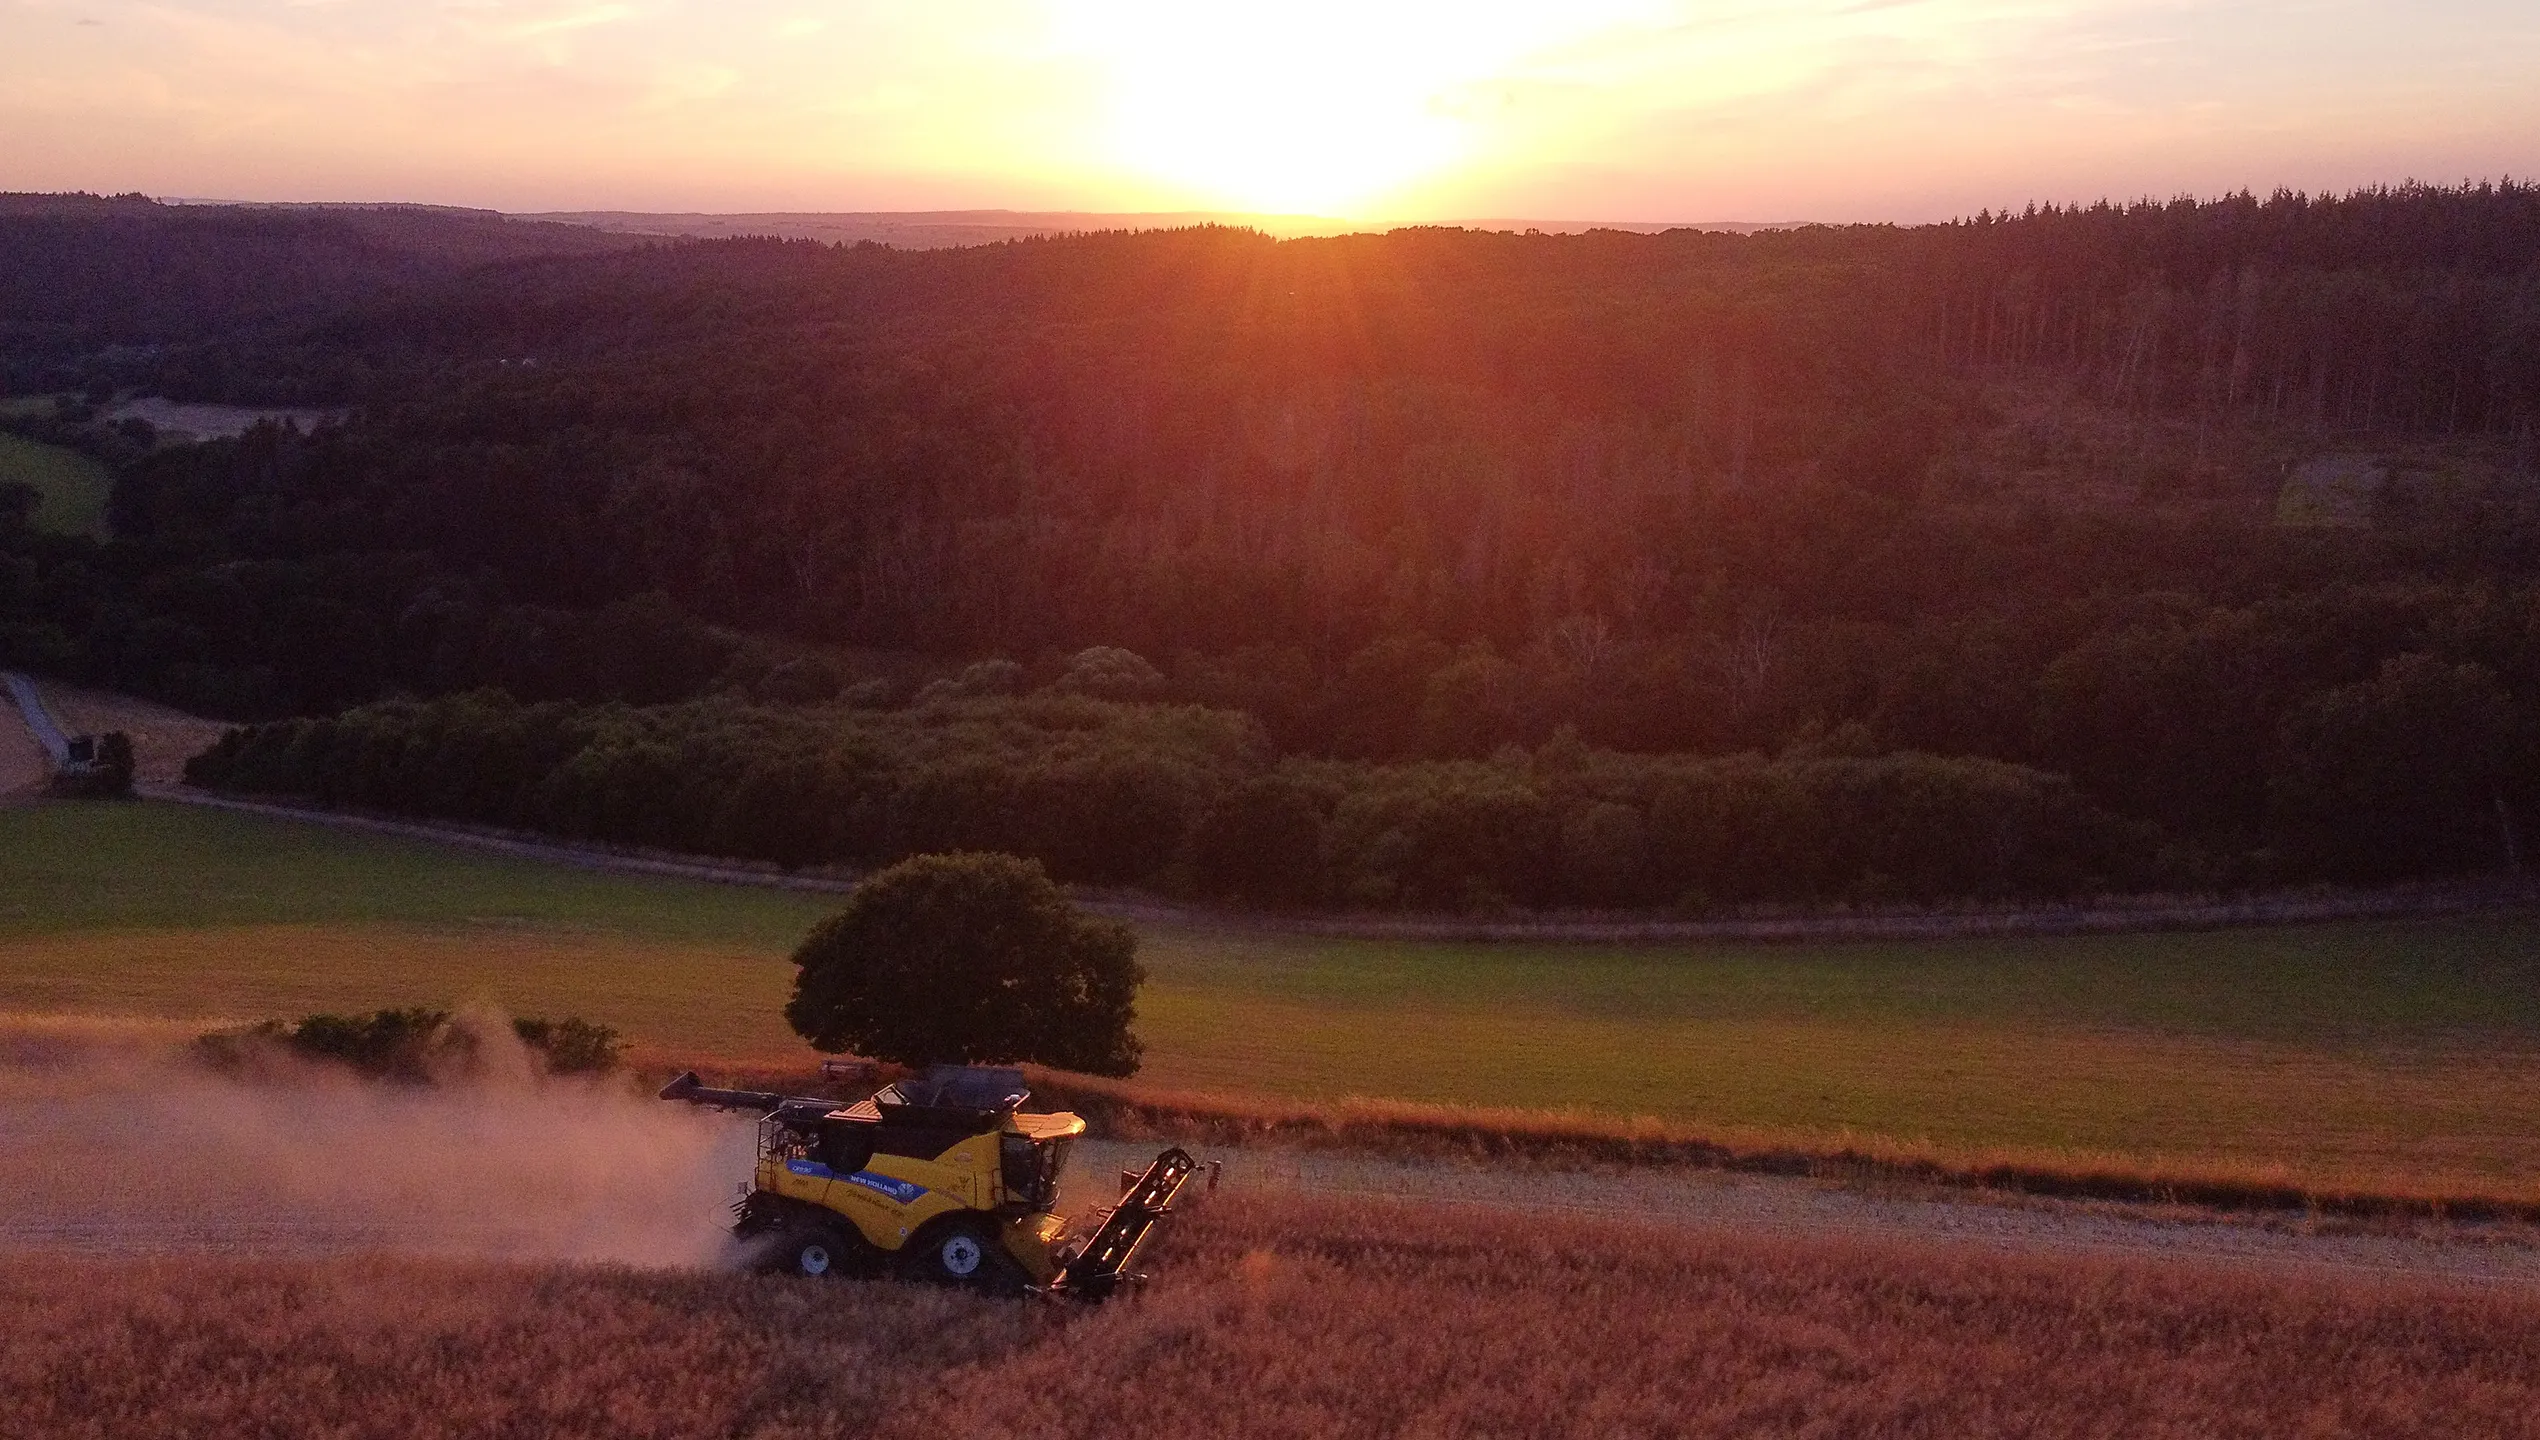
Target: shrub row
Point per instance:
(415, 1045)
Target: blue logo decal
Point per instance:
(901, 1190)
(812, 1168)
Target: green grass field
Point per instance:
(2350, 1050)
(72, 487)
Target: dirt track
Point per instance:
(316, 1164)
(1752, 1205)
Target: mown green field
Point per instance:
(72, 488)
(2371, 1049)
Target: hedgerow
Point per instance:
(1190, 800)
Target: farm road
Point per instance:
(322, 1165)
(1796, 1209)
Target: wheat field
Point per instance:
(1275, 1317)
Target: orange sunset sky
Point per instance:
(1616, 109)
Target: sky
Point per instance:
(1375, 110)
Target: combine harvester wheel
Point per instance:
(816, 1254)
(963, 1254)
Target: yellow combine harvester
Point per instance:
(940, 1177)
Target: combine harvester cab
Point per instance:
(942, 1177)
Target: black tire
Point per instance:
(961, 1254)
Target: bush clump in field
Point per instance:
(969, 959)
(415, 1045)
(573, 1045)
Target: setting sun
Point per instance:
(1370, 110)
(1320, 106)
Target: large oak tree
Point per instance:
(973, 959)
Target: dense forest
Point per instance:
(2197, 544)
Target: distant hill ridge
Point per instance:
(78, 271)
(943, 229)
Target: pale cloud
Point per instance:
(1628, 109)
(574, 20)
(687, 84)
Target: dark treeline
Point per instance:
(1191, 800)
(2412, 309)
(126, 277)
(2014, 490)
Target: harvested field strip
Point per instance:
(1712, 1201)
(162, 739)
(1436, 1132)
(1324, 1318)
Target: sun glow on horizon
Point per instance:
(1321, 106)
(1371, 111)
